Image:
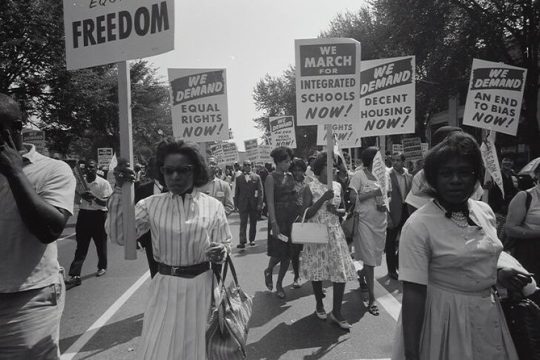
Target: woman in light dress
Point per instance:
(330, 261)
(189, 232)
(370, 237)
(449, 261)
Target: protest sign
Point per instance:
(412, 148)
(36, 138)
(282, 132)
(225, 153)
(347, 135)
(101, 32)
(199, 104)
(397, 148)
(379, 171)
(327, 81)
(494, 97)
(491, 161)
(264, 154)
(387, 96)
(251, 147)
(104, 156)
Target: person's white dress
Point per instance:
(176, 314)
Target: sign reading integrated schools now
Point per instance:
(101, 32)
(327, 81)
(494, 97)
(199, 104)
(387, 96)
(282, 132)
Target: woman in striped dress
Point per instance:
(189, 231)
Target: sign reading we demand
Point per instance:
(387, 96)
(494, 97)
(199, 104)
(327, 81)
(101, 32)
(282, 131)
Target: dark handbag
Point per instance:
(227, 327)
(349, 226)
(523, 320)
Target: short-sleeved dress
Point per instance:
(370, 236)
(285, 210)
(528, 250)
(463, 320)
(330, 261)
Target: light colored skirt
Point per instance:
(370, 234)
(175, 318)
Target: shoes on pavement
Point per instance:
(241, 246)
(280, 293)
(296, 284)
(343, 324)
(321, 314)
(73, 281)
(252, 243)
(393, 275)
(268, 280)
(373, 310)
(101, 272)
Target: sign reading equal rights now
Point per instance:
(199, 104)
(101, 32)
(327, 81)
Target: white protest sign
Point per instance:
(36, 138)
(379, 171)
(347, 135)
(264, 153)
(251, 146)
(282, 132)
(101, 32)
(494, 97)
(491, 161)
(104, 156)
(397, 148)
(327, 81)
(412, 148)
(387, 96)
(227, 155)
(199, 104)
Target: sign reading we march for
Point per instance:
(199, 104)
(327, 81)
(282, 132)
(101, 32)
(494, 97)
(387, 96)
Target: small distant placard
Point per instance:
(282, 132)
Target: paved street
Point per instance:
(103, 317)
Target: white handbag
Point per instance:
(309, 233)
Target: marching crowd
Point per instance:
(439, 239)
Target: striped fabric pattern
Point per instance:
(182, 229)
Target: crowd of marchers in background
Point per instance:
(440, 240)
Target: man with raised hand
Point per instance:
(36, 199)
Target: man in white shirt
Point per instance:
(36, 199)
(218, 188)
(91, 223)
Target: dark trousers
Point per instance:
(391, 245)
(253, 215)
(90, 225)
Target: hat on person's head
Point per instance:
(441, 133)
(247, 162)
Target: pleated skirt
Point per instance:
(175, 318)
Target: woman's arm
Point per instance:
(269, 189)
(414, 301)
(312, 208)
(517, 212)
(369, 195)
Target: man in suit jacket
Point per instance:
(400, 185)
(248, 198)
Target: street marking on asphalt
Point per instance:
(99, 323)
(387, 300)
(66, 237)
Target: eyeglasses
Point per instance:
(182, 170)
(461, 174)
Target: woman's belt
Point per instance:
(184, 271)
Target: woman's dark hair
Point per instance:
(457, 144)
(368, 154)
(280, 153)
(319, 163)
(298, 163)
(191, 151)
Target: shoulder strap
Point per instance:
(528, 201)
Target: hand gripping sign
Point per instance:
(199, 104)
(494, 97)
(327, 81)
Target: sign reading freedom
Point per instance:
(101, 32)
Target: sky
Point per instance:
(249, 38)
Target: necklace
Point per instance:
(459, 219)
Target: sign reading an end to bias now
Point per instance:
(346, 135)
(199, 104)
(327, 81)
(101, 32)
(494, 97)
(387, 96)
(282, 132)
